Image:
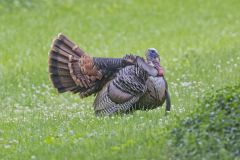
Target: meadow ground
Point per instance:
(199, 46)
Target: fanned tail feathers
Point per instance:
(62, 52)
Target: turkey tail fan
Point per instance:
(62, 51)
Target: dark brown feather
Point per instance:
(59, 57)
(62, 48)
(58, 71)
(57, 64)
(71, 45)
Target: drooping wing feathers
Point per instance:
(123, 92)
(103, 105)
(117, 95)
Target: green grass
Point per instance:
(213, 129)
(199, 46)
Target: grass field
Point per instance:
(199, 46)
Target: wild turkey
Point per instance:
(125, 84)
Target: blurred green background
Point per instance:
(199, 47)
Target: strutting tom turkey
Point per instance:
(121, 84)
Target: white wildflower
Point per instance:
(186, 84)
(6, 146)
